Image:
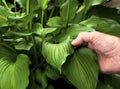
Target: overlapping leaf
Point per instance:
(86, 5)
(113, 80)
(81, 69)
(73, 31)
(56, 54)
(105, 25)
(4, 13)
(7, 51)
(14, 75)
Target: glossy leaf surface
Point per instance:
(56, 53)
(14, 75)
(81, 69)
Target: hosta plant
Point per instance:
(35, 44)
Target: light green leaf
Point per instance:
(43, 4)
(55, 22)
(73, 31)
(22, 3)
(68, 10)
(14, 75)
(56, 53)
(38, 29)
(81, 69)
(4, 13)
(105, 25)
(19, 33)
(23, 45)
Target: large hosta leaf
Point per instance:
(14, 75)
(81, 69)
(68, 10)
(56, 53)
(86, 5)
(105, 25)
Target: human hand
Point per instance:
(106, 47)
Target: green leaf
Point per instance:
(41, 78)
(52, 73)
(4, 13)
(55, 22)
(107, 12)
(22, 3)
(73, 32)
(38, 29)
(43, 4)
(23, 45)
(7, 51)
(56, 53)
(101, 85)
(113, 80)
(81, 69)
(68, 10)
(105, 25)
(20, 19)
(14, 75)
(83, 9)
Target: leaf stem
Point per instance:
(15, 5)
(34, 50)
(27, 7)
(51, 13)
(42, 18)
(4, 2)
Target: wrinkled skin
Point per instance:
(106, 47)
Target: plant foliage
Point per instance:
(35, 44)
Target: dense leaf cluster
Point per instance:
(35, 44)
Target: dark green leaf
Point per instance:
(110, 13)
(101, 85)
(14, 75)
(105, 25)
(86, 5)
(41, 78)
(20, 19)
(7, 51)
(113, 80)
(52, 73)
(81, 69)
(56, 53)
